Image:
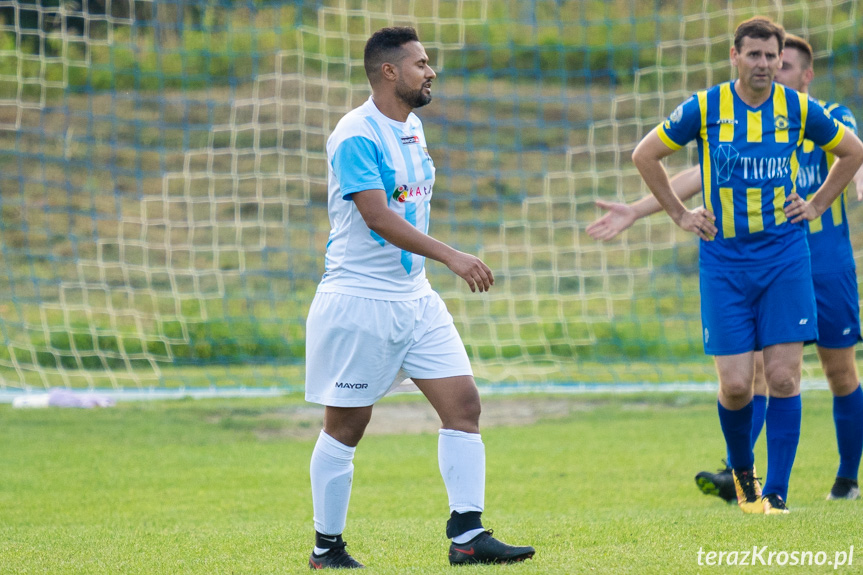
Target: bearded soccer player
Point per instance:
(375, 315)
(755, 274)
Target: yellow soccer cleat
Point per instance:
(748, 491)
(774, 505)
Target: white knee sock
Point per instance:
(332, 471)
(461, 457)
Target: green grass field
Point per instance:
(601, 485)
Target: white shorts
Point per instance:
(357, 349)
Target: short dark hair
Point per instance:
(802, 46)
(383, 47)
(761, 28)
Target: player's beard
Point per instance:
(413, 98)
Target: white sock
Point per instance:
(461, 457)
(467, 536)
(332, 472)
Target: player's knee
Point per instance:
(841, 377)
(783, 384)
(736, 390)
(346, 425)
(464, 417)
(471, 410)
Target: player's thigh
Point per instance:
(838, 309)
(437, 350)
(727, 317)
(438, 364)
(786, 310)
(354, 348)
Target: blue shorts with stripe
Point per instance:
(749, 309)
(838, 308)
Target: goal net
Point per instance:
(163, 180)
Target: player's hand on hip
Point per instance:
(472, 270)
(700, 222)
(797, 209)
(618, 218)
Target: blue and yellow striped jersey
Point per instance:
(749, 166)
(829, 235)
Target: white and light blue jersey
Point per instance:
(369, 151)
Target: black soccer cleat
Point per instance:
(335, 558)
(844, 488)
(774, 504)
(486, 549)
(720, 484)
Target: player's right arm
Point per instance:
(647, 157)
(372, 205)
(621, 216)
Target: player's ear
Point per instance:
(389, 71)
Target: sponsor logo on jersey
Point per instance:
(809, 176)
(407, 140)
(346, 385)
(404, 193)
(761, 168)
(727, 161)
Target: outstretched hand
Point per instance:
(472, 270)
(699, 221)
(619, 218)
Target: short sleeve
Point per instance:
(822, 128)
(682, 126)
(845, 116)
(356, 166)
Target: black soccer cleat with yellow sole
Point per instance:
(486, 549)
(720, 484)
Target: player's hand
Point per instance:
(797, 209)
(472, 270)
(858, 183)
(700, 222)
(618, 218)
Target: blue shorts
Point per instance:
(838, 309)
(748, 310)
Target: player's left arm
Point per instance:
(849, 158)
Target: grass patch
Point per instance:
(192, 487)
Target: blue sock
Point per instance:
(737, 429)
(848, 416)
(783, 435)
(759, 412)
